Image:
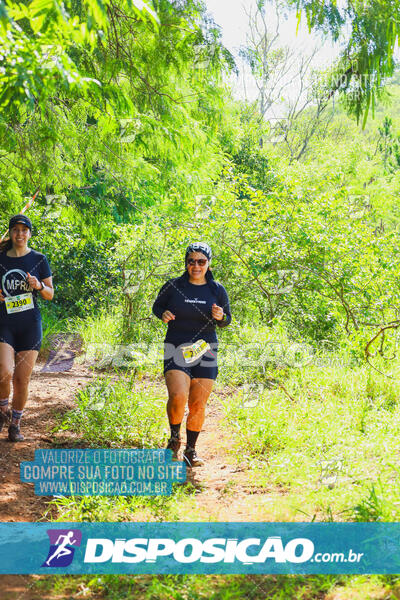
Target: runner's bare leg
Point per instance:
(178, 384)
(24, 363)
(6, 369)
(200, 390)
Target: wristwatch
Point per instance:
(43, 286)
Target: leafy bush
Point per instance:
(109, 413)
(86, 276)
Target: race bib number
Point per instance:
(19, 303)
(195, 351)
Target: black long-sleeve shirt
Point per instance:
(191, 304)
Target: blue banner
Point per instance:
(169, 548)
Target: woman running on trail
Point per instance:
(23, 273)
(192, 305)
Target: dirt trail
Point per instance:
(222, 485)
(49, 394)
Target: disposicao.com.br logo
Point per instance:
(212, 550)
(165, 551)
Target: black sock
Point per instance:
(191, 437)
(175, 429)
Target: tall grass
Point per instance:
(110, 413)
(329, 437)
(221, 587)
(126, 508)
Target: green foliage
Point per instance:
(110, 414)
(313, 437)
(89, 278)
(35, 43)
(367, 57)
(124, 508)
(222, 587)
(120, 115)
(86, 276)
(295, 241)
(185, 587)
(389, 146)
(108, 119)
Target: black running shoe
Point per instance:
(14, 434)
(5, 418)
(174, 443)
(191, 458)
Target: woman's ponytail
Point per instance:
(5, 245)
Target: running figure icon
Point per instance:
(62, 549)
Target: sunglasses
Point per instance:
(200, 261)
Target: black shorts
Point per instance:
(22, 335)
(204, 367)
